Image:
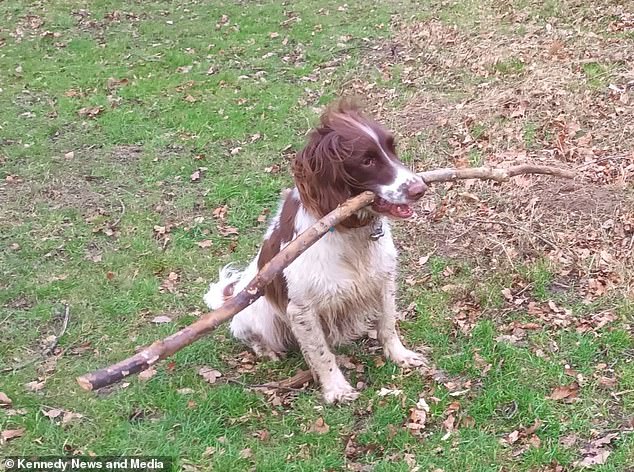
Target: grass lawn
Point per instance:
(142, 145)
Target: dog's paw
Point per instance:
(404, 357)
(340, 393)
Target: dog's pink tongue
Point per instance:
(401, 211)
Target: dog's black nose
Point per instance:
(416, 189)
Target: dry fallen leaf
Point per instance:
(147, 374)
(531, 429)
(246, 453)
(169, 284)
(274, 169)
(418, 416)
(227, 230)
(94, 257)
(9, 434)
(534, 441)
(565, 392)
(263, 435)
(423, 260)
(113, 83)
(5, 401)
(388, 391)
(70, 416)
(52, 413)
(604, 440)
(319, 426)
(90, 112)
(35, 386)
(220, 212)
(597, 458)
(513, 437)
(449, 423)
(205, 243)
(161, 319)
(184, 69)
(209, 374)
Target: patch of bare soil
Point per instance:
(513, 90)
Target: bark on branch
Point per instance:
(166, 347)
(492, 173)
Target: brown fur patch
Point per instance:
(227, 292)
(341, 160)
(277, 291)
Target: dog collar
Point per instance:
(377, 230)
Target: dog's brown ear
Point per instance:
(319, 172)
(340, 111)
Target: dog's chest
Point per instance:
(344, 269)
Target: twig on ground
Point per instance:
(292, 383)
(118, 220)
(52, 345)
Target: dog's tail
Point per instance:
(222, 290)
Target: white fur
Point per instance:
(214, 298)
(395, 192)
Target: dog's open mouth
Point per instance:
(397, 210)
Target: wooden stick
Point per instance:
(492, 173)
(295, 382)
(168, 346)
(207, 323)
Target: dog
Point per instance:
(345, 283)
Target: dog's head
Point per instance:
(348, 154)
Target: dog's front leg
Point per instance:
(388, 336)
(310, 336)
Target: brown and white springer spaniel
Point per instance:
(344, 284)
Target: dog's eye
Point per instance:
(368, 161)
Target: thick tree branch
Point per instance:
(492, 173)
(207, 323)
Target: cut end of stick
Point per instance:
(84, 383)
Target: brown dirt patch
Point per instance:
(515, 89)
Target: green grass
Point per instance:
(511, 66)
(596, 74)
(80, 230)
